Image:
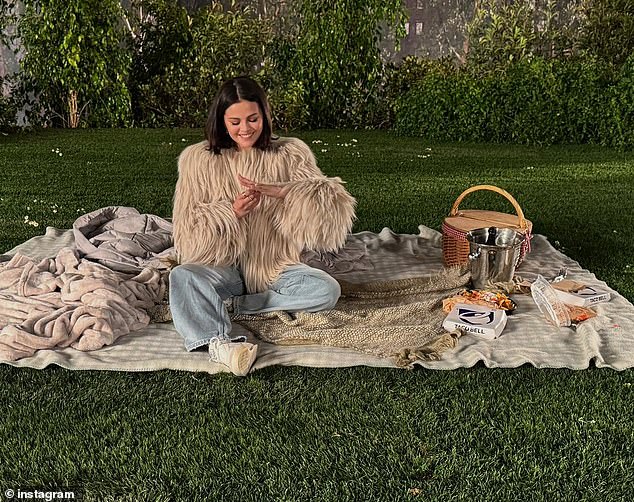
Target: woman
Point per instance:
(246, 204)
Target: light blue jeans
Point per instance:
(198, 292)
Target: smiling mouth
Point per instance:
(245, 135)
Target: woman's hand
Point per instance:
(270, 190)
(246, 202)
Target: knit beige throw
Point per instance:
(399, 319)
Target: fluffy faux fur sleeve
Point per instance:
(206, 230)
(317, 212)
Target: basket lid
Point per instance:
(471, 219)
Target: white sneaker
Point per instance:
(237, 354)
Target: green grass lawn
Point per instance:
(327, 434)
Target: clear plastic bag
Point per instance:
(549, 304)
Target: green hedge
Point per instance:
(536, 102)
(162, 67)
(8, 109)
(180, 61)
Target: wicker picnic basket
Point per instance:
(455, 247)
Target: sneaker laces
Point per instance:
(237, 354)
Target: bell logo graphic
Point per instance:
(476, 320)
(475, 317)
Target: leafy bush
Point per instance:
(618, 127)
(181, 61)
(73, 63)
(289, 108)
(332, 60)
(539, 102)
(504, 32)
(607, 32)
(160, 39)
(8, 109)
(398, 79)
(429, 109)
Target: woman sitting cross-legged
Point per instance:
(246, 204)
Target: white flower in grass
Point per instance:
(530, 168)
(183, 140)
(54, 210)
(26, 218)
(354, 140)
(324, 150)
(428, 149)
(316, 141)
(60, 154)
(28, 208)
(627, 384)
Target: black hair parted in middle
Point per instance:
(231, 92)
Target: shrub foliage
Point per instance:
(531, 72)
(540, 101)
(332, 62)
(181, 60)
(73, 70)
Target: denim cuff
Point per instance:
(204, 341)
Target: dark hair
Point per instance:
(232, 91)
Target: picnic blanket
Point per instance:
(85, 298)
(608, 340)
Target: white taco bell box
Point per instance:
(585, 297)
(476, 319)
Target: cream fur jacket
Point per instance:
(316, 214)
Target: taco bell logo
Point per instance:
(475, 317)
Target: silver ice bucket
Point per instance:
(493, 254)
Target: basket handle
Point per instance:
(509, 197)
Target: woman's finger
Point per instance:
(245, 181)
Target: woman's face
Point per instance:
(243, 121)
